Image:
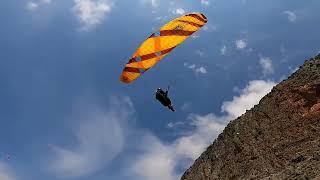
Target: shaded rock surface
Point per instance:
(277, 139)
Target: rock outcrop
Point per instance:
(277, 139)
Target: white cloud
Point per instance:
(157, 162)
(201, 69)
(189, 66)
(292, 17)
(266, 64)
(205, 2)
(5, 172)
(100, 135)
(34, 5)
(223, 50)
(249, 96)
(200, 53)
(91, 13)
(162, 19)
(178, 11)
(153, 3)
(160, 160)
(45, 1)
(175, 124)
(195, 69)
(194, 36)
(210, 28)
(241, 44)
(206, 128)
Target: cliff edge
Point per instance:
(277, 139)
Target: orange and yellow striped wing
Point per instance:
(160, 43)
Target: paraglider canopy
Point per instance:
(160, 44)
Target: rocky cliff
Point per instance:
(277, 139)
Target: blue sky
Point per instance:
(65, 115)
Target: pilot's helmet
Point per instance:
(159, 89)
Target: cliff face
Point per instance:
(277, 139)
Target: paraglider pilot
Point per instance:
(162, 96)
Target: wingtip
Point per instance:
(204, 17)
(124, 79)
